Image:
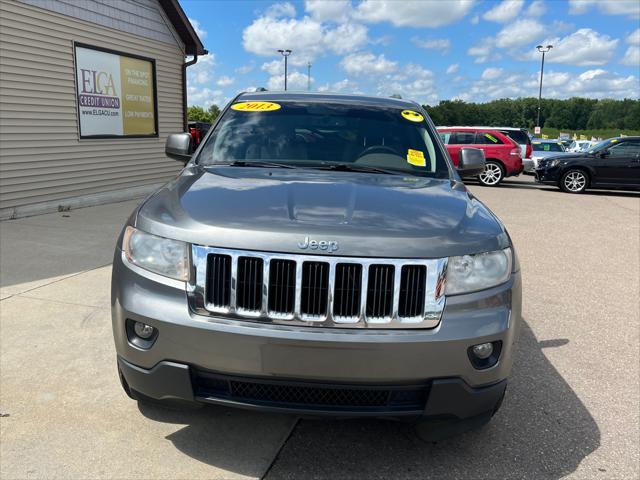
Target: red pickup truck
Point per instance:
(503, 155)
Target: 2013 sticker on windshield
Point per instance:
(416, 157)
(412, 116)
(255, 106)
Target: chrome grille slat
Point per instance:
(277, 296)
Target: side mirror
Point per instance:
(604, 153)
(178, 147)
(471, 161)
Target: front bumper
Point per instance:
(550, 176)
(437, 359)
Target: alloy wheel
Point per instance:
(575, 181)
(492, 174)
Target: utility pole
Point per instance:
(542, 50)
(285, 54)
(309, 76)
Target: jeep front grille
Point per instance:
(345, 292)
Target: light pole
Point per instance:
(309, 76)
(542, 50)
(285, 54)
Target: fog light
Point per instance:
(482, 350)
(144, 331)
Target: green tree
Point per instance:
(196, 113)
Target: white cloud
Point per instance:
(274, 67)
(244, 69)
(346, 38)
(520, 32)
(344, 85)
(205, 97)
(632, 57)
(281, 10)
(504, 11)
(634, 37)
(442, 44)
(202, 71)
(536, 9)
(608, 7)
(453, 68)
(307, 37)
(412, 13)
(201, 32)
(596, 83)
(475, 20)
(366, 63)
(491, 73)
(225, 81)
(584, 47)
(323, 10)
(296, 80)
(412, 82)
(484, 51)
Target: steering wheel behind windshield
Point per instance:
(377, 149)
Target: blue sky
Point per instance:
(426, 50)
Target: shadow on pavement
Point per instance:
(542, 431)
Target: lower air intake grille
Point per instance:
(309, 396)
(249, 293)
(412, 290)
(380, 291)
(315, 288)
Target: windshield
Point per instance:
(600, 146)
(547, 147)
(308, 134)
(519, 136)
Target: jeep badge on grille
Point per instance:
(318, 245)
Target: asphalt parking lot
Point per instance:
(571, 407)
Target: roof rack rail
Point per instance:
(261, 89)
(396, 95)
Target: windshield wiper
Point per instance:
(252, 163)
(354, 167)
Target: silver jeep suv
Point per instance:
(318, 254)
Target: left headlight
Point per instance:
(163, 256)
(470, 273)
(554, 163)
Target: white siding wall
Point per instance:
(43, 162)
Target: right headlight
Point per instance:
(163, 256)
(470, 273)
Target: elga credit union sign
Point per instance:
(116, 94)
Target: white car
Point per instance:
(580, 146)
(542, 149)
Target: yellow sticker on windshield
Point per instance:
(255, 106)
(614, 140)
(416, 157)
(412, 116)
(491, 137)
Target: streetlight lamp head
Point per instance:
(538, 47)
(549, 47)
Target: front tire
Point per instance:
(493, 174)
(574, 181)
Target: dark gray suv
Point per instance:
(318, 254)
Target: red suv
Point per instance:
(503, 155)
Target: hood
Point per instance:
(369, 215)
(545, 155)
(566, 156)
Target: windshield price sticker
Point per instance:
(255, 106)
(416, 157)
(491, 137)
(412, 116)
